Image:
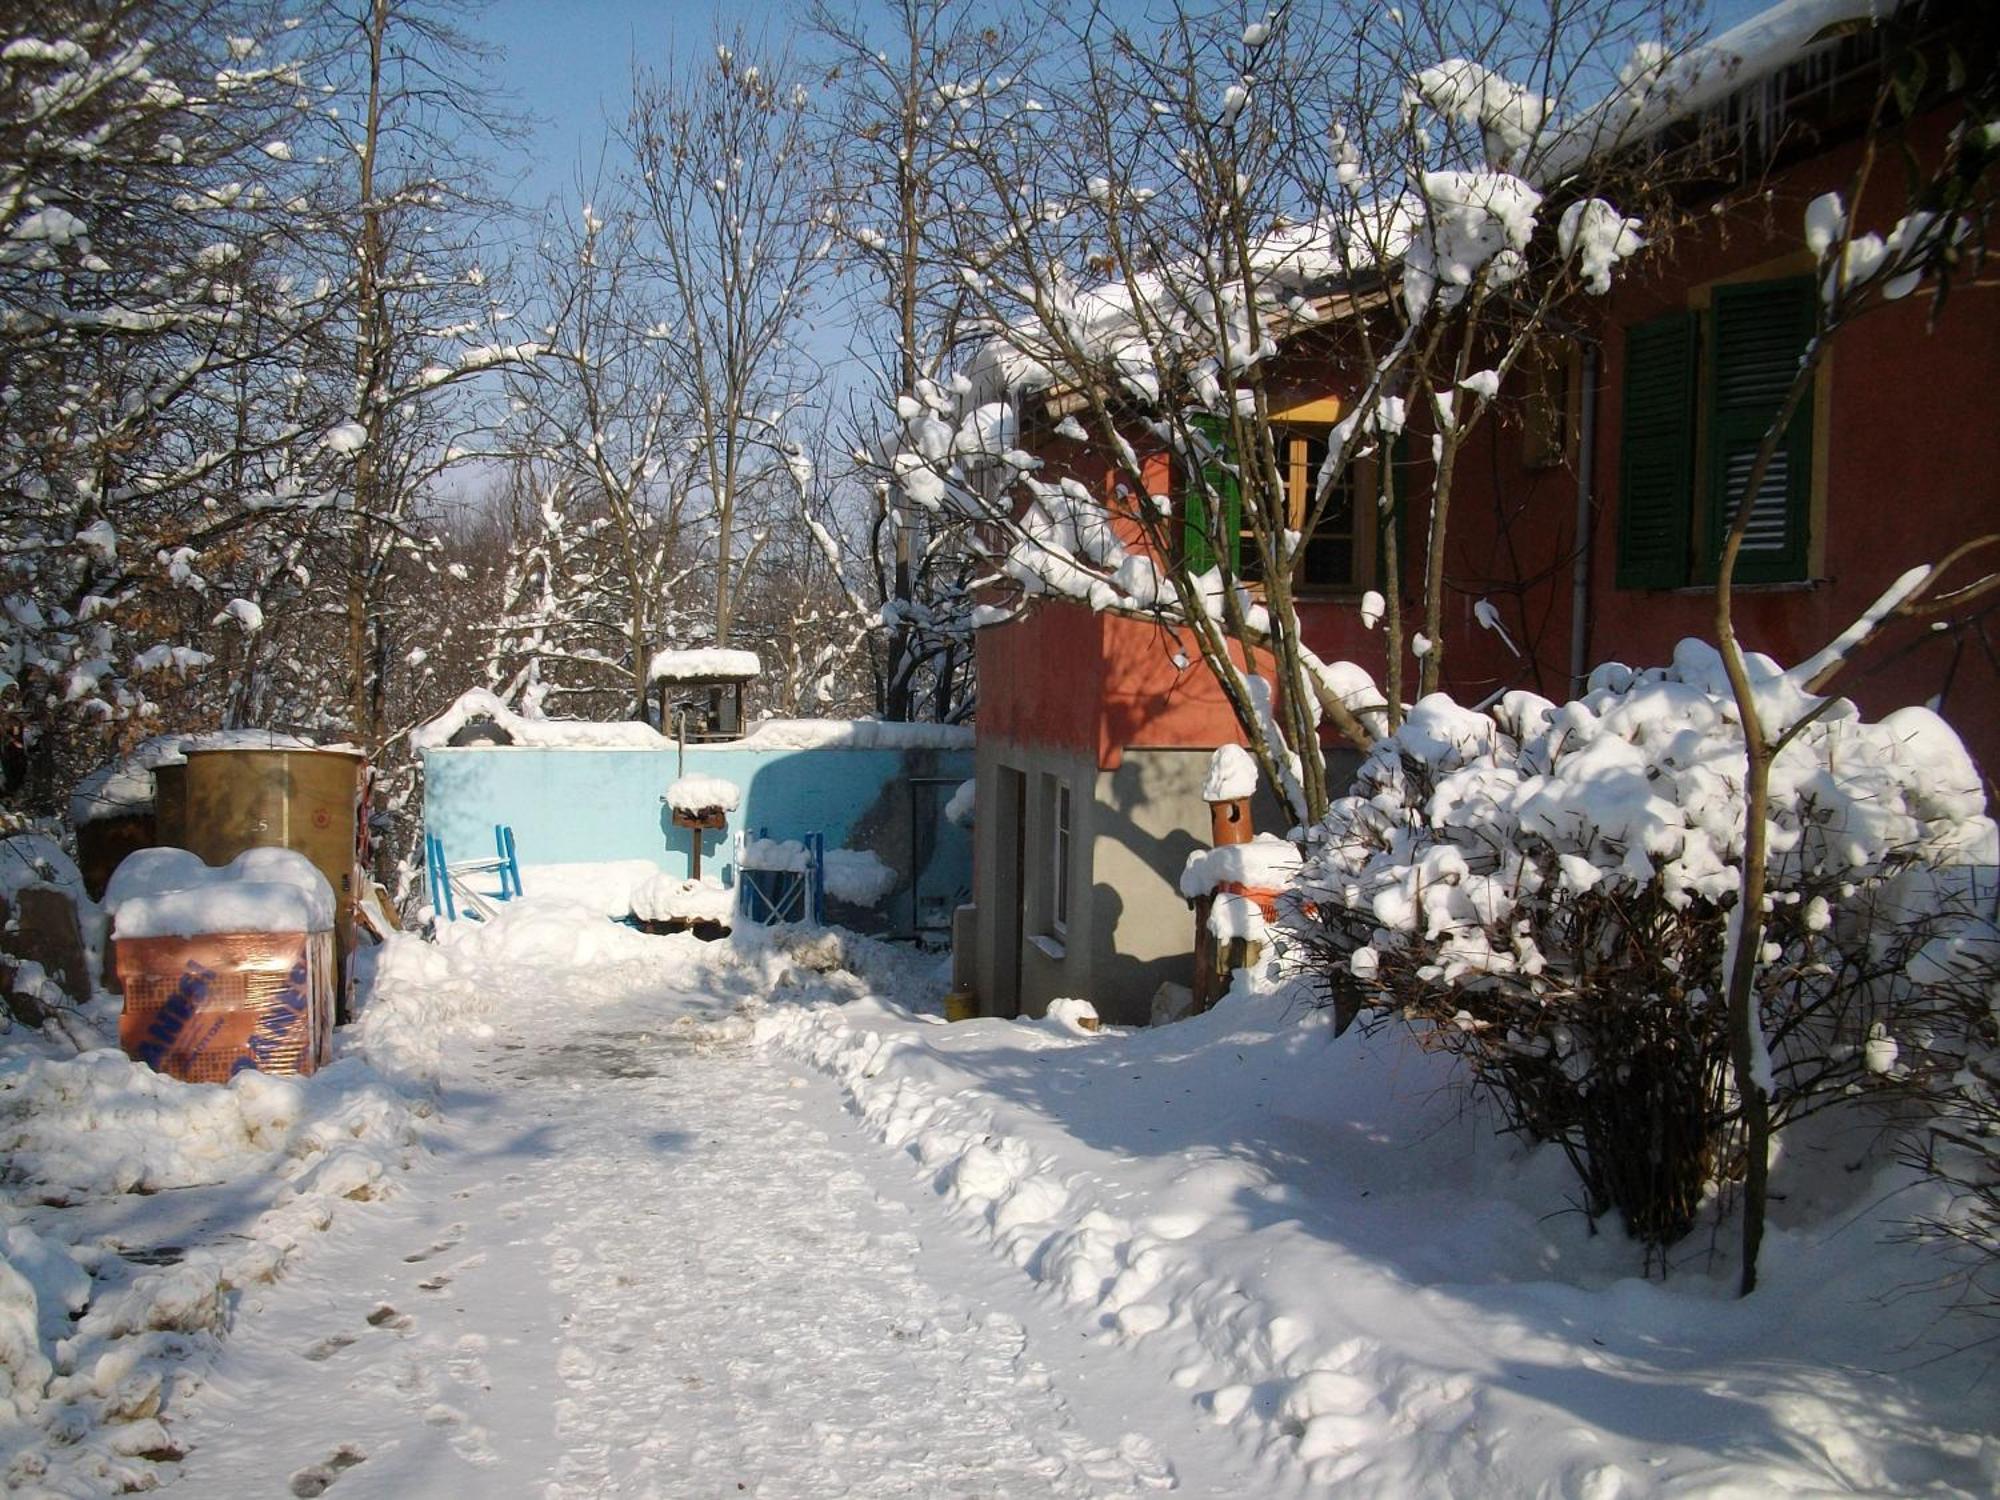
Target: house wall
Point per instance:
(1132, 830)
(571, 806)
(1908, 467)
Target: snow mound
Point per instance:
(668, 898)
(171, 893)
(858, 877)
(1232, 773)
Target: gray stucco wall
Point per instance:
(1014, 925)
(1132, 830)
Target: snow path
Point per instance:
(644, 1260)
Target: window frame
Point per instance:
(1061, 814)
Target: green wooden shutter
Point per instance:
(1656, 458)
(1761, 330)
(1218, 477)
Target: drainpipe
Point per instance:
(1586, 463)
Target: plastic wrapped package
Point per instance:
(204, 1008)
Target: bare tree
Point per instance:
(602, 410)
(1157, 243)
(425, 315)
(1950, 205)
(723, 163)
(903, 74)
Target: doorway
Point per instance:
(1010, 893)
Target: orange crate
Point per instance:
(204, 1008)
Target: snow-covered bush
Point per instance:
(1542, 888)
(1949, 1072)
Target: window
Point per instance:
(1059, 840)
(1338, 555)
(1700, 390)
(1334, 557)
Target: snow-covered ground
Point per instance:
(584, 1212)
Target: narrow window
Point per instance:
(1059, 848)
(1656, 461)
(1213, 482)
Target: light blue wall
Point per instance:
(587, 805)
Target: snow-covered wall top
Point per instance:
(848, 734)
(766, 735)
(479, 703)
(712, 663)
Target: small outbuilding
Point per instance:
(701, 692)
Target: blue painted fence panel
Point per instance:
(576, 805)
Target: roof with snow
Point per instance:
(706, 664)
(1308, 268)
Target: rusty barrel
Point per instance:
(170, 805)
(308, 800)
(102, 843)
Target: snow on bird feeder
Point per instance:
(699, 803)
(701, 691)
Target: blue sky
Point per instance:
(570, 65)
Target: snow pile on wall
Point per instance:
(858, 877)
(479, 703)
(695, 794)
(171, 893)
(847, 734)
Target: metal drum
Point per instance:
(308, 800)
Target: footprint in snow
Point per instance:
(327, 1347)
(448, 1241)
(386, 1316)
(315, 1479)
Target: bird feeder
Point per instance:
(701, 692)
(701, 804)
